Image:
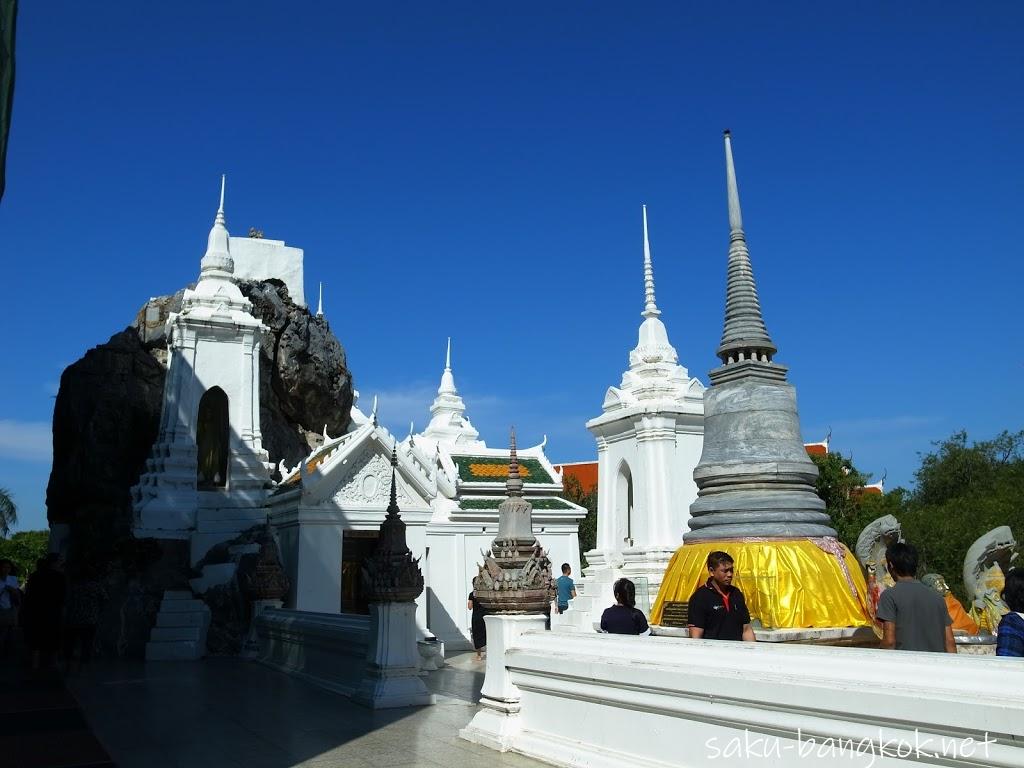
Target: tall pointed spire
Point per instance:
(393, 506)
(744, 335)
(650, 306)
(447, 412)
(217, 261)
(320, 302)
(447, 386)
(514, 484)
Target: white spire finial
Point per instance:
(650, 306)
(735, 218)
(447, 386)
(373, 411)
(217, 261)
(320, 302)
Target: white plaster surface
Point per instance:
(650, 701)
(391, 677)
(261, 259)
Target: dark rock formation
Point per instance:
(106, 420)
(304, 381)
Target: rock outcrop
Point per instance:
(106, 420)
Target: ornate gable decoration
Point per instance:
(368, 482)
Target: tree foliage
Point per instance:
(838, 485)
(8, 513)
(575, 493)
(24, 549)
(962, 491)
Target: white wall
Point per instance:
(646, 701)
(259, 259)
(455, 559)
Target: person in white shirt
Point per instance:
(10, 599)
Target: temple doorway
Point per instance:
(356, 546)
(213, 436)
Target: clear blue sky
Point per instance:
(477, 170)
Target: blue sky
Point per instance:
(477, 170)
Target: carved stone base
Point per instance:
(392, 677)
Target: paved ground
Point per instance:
(224, 713)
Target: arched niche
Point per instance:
(213, 440)
(624, 505)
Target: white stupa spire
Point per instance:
(320, 302)
(654, 372)
(650, 306)
(217, 262)
(447, 386)
(447, 411)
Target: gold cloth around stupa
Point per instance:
(787, 583)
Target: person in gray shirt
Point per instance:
(914, 616)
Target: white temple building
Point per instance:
(649, 439)
(328, 511)
(208, 478)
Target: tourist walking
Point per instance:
(914, 616)
(718, 610)
(624, 618)
(1010, 640)
(10, 601)
(566, 588)
(42, 611)
(477, 628)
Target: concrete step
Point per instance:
(179, 650)
(178, 594)
(195, 619)
(182, 606)
(176, 634)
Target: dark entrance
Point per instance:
(213, 435)
(356, 546)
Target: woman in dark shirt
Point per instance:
(478, 630)
(623, 618)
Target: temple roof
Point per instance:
(477, 468)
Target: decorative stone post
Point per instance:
(514, 587)
(392, 581)
(264, 586)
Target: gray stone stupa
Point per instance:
(515, 577)
(754, 476)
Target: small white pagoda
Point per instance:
(649, 440)
(208, 475)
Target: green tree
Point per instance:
(8, 513)
(838, 485)
(964, 490)
(24, 549)
(588, 526)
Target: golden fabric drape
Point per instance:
(787, 583)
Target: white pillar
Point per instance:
(497, 722)
(392, 660)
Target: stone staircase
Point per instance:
(180, 631)
(593, 595)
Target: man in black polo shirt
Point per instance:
(717, 609)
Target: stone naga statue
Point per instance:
(961, 619)
(870, 550)
(987, 561)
